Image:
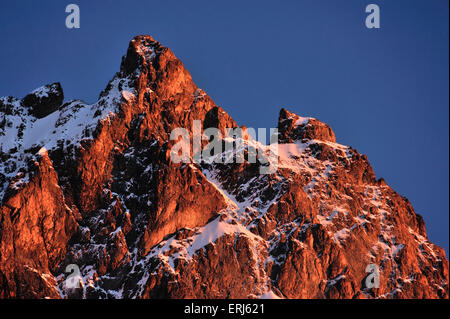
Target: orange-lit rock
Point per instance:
(108, 198)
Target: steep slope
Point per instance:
(95, 186)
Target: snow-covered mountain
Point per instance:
(95, 186)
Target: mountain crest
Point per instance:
(142, 50)
(94, 186)
(293, 127)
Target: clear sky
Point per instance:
(384, 92)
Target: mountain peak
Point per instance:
(293, 127)
(142, 49)
(44, 100)
(94, 186)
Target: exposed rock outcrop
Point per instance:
(95, 186)
(45, 100)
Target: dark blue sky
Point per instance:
(384, 92)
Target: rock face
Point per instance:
(94, 186)
(294, 128)
(45, 100)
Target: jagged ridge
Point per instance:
(94, 185)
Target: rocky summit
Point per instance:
(92, 206)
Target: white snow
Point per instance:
(204, 236)
(66, 126)
(302, 121)
(42, 91)
(269, 295)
